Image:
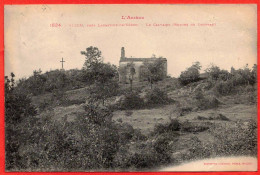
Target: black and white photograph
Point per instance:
(130, 88)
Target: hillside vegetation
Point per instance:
(86, 121)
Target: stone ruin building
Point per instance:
(136, 65)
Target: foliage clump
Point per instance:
(41, 83)
(173, 125)
(18, 108)
(191, 74)
(131, 100)
(157, 96)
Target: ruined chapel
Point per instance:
(136, 65)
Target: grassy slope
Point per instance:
(232, 107)
(145, 119)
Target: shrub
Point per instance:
(40, 83)
(183, 110)
(45, 104)
(70, 102)
(249, 88)
(251, 98)
(126, 132)
(224, 87)
(142, 160)
(191, 74)
(18, 108)
(240, 139)
(157, 96)
(208, 102)
(218, 117)
(119, 120)
(160, 128)
(138, 136)
(84, 144)
(132, 101)
(215, 73)
(201, 117)
(194, 127)
(98, 115)
(147, 154)
(128, 113)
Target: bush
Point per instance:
(144, 155)
(183, 110)
(126, 132)
(218, 117)
(194, 127)
(40, 83)
(157, 96)
(214, 73)
(207, 102)
(128, 113)
(191, 74)
(18, 108)
(224, 87)
(201, 118)
(240, 139)
(91, 141)
(132, 101)
(160, 128)
(45, 104)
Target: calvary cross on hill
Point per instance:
(62, 63)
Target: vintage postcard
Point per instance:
(130, 88)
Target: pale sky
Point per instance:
(31, 44)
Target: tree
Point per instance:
(244, 75)
(254, 73)
(93, 57)
(153, 71)
(17, 108)
(122, 72)
(131, 68)
(103, 76)
(191, 74)
(101, 91)
(36, 82)
(93, 61)
(215, 73)
(95, 70)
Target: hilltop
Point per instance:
(85, 120)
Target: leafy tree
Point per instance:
(93, 57)
(101, 91)
(244, 75)
(95, 70)
(215, 73)
(122, 72)
(153, 71)
(18, 107)
(131, 68)
(157, 96)
(105, 72)
(254, 73)
(37, 81)
(132, 101)
(105, 84)
(191, 74)
(103, 76)
(50, 81)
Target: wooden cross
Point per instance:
(62, 63)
